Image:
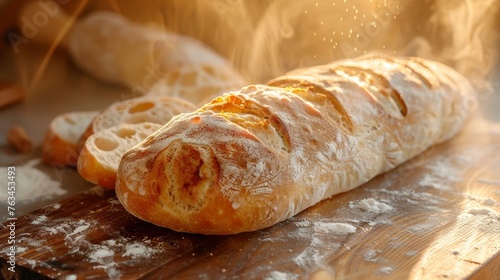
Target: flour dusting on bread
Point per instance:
(255, 157)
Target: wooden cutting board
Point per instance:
(436, 216)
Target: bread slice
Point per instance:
(99, 159)
(59, 145)
(153, 109)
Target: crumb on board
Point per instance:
(19, 139)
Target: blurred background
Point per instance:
(266, 38)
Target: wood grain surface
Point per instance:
(441, 221)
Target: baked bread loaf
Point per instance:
(59, 146)
(257, 156)
(101, 154)
(116, 50)
(153, 108)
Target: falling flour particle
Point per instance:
(371, 205)
(334, 228)
(71, 277)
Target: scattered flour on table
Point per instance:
(446, 170)
(24, 242)
(436, 182)
(479, 211)
(137, 250)
(31, 183)
(448, 165)
(120, 246)
(371, 205)
(278, 275)
(20, 250)
(104, 254)
(372, 255)
(411, 253)
(409, 196)
(40, 219)
(78, 230)
(442, 174)
(107, 254)
(421, 228)
(485, 219)
(340, 228)
(386, 270)
(31, 263)
(322, 236)
(100, 253)
(73, 230)
(489, 202)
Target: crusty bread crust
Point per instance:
(255, 157)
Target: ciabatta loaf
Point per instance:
(152, 108)
(59, 145)
(101, 154)
(260, 155)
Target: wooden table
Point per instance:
(442, 222)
